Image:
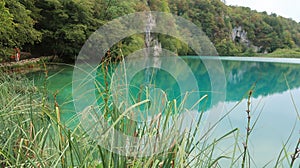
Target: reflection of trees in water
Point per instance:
(235, 76)
(268, 77)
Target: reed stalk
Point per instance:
(248, 129)
(296, 154)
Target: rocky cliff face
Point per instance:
(240, 35)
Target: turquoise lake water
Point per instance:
(276, 96)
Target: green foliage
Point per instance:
(290, 53)
(23, 30)
(16, 27)
(228, 48)
(269, 32)
(65, 26)
(60, 27)
(117, 8)
(159, 5)
(6, 22)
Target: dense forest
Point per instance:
(60, 27)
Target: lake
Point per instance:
(275, 100)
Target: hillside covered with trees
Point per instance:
(60, 27)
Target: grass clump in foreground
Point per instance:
(33, 136)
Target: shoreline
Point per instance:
(24, 62)
(22, 66)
